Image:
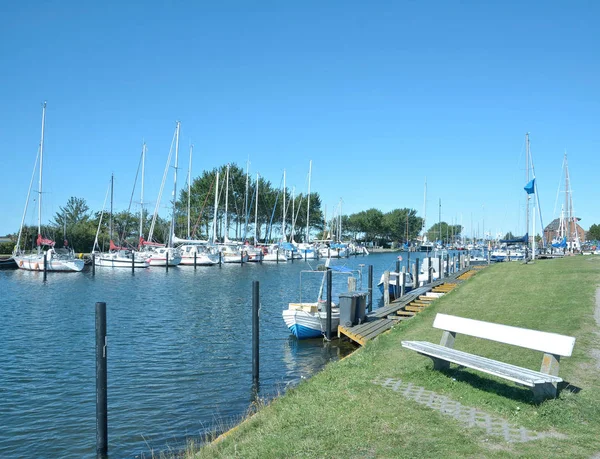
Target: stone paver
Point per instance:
(471, 417)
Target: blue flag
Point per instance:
(529, 188)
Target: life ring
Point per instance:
(21, 264)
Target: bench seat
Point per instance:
(520, 375)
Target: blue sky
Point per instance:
(379, 95)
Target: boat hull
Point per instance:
(36, 263)
(306, 324)
(117, 262)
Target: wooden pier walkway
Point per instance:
(383, 319)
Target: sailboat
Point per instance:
(53, 259)
(194, 252)
(116, 257)
(161, 254)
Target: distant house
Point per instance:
(551, 232)
(5, 239)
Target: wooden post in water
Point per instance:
(386, 288)
(397, 293)
(328, 252)
(429, 270)
(403, 285)
(447, 270)
(277, 257)
(255, 332)
(132, 263)
(352, 284)
(101, 382)
(167, 265)
(220, 258)
(93, 264)
(328, 321)
(417, 272)
(370, 303)
(45, 265)
(195, 255)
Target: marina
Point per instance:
(175, 337)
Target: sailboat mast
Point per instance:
(308, 203)
(226, 237)
(246, 199)
(527, 181)
(215, 210)
(425, 212)
(283, 211)
(41, 167)
(112, 186)
(256, 213)
(293, 213)
(440, 219)
(174, 185)
(142, 192)
(189, 180)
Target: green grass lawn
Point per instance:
(340, 412)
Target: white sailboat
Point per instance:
(116, 257)
(161, 254)
(53, 259)
(194, 252)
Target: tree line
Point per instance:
(246, 204)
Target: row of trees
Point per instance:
(78, 224)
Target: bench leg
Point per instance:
(439, 364)
(543, 391)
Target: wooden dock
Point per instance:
(383, 319)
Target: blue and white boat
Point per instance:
(309, 320)
(393, 289)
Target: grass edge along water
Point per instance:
(341, 412)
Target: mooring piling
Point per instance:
(255, 331)
(101, 382)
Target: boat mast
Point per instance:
(112, 185)
(142, 193)
(170, 244)
(246, 200)
(308, 203)
(440, 219)
(424, 237)
(256, 212)
(189, 180)
(283, 212)
(226, 236)
(215, 210)
(527, 198)
(340, 223)
(40, 179)
(293, 213)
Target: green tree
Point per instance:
(594, 233)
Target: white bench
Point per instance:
(543, 382)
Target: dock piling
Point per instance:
(370, 303)
(45, 265)
(255, 332)
(195, 258)
(418, 284)
(167, 264)
(101, 382)
(93, 264)
(328, 306)
(397, 293)
(386, 288)
(403, 284)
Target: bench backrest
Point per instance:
(551, 343)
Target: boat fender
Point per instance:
(37, 266)
(21, 263)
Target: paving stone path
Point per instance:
(472, 417)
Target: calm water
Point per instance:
(179, 352)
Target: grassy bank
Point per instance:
(340, 412)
